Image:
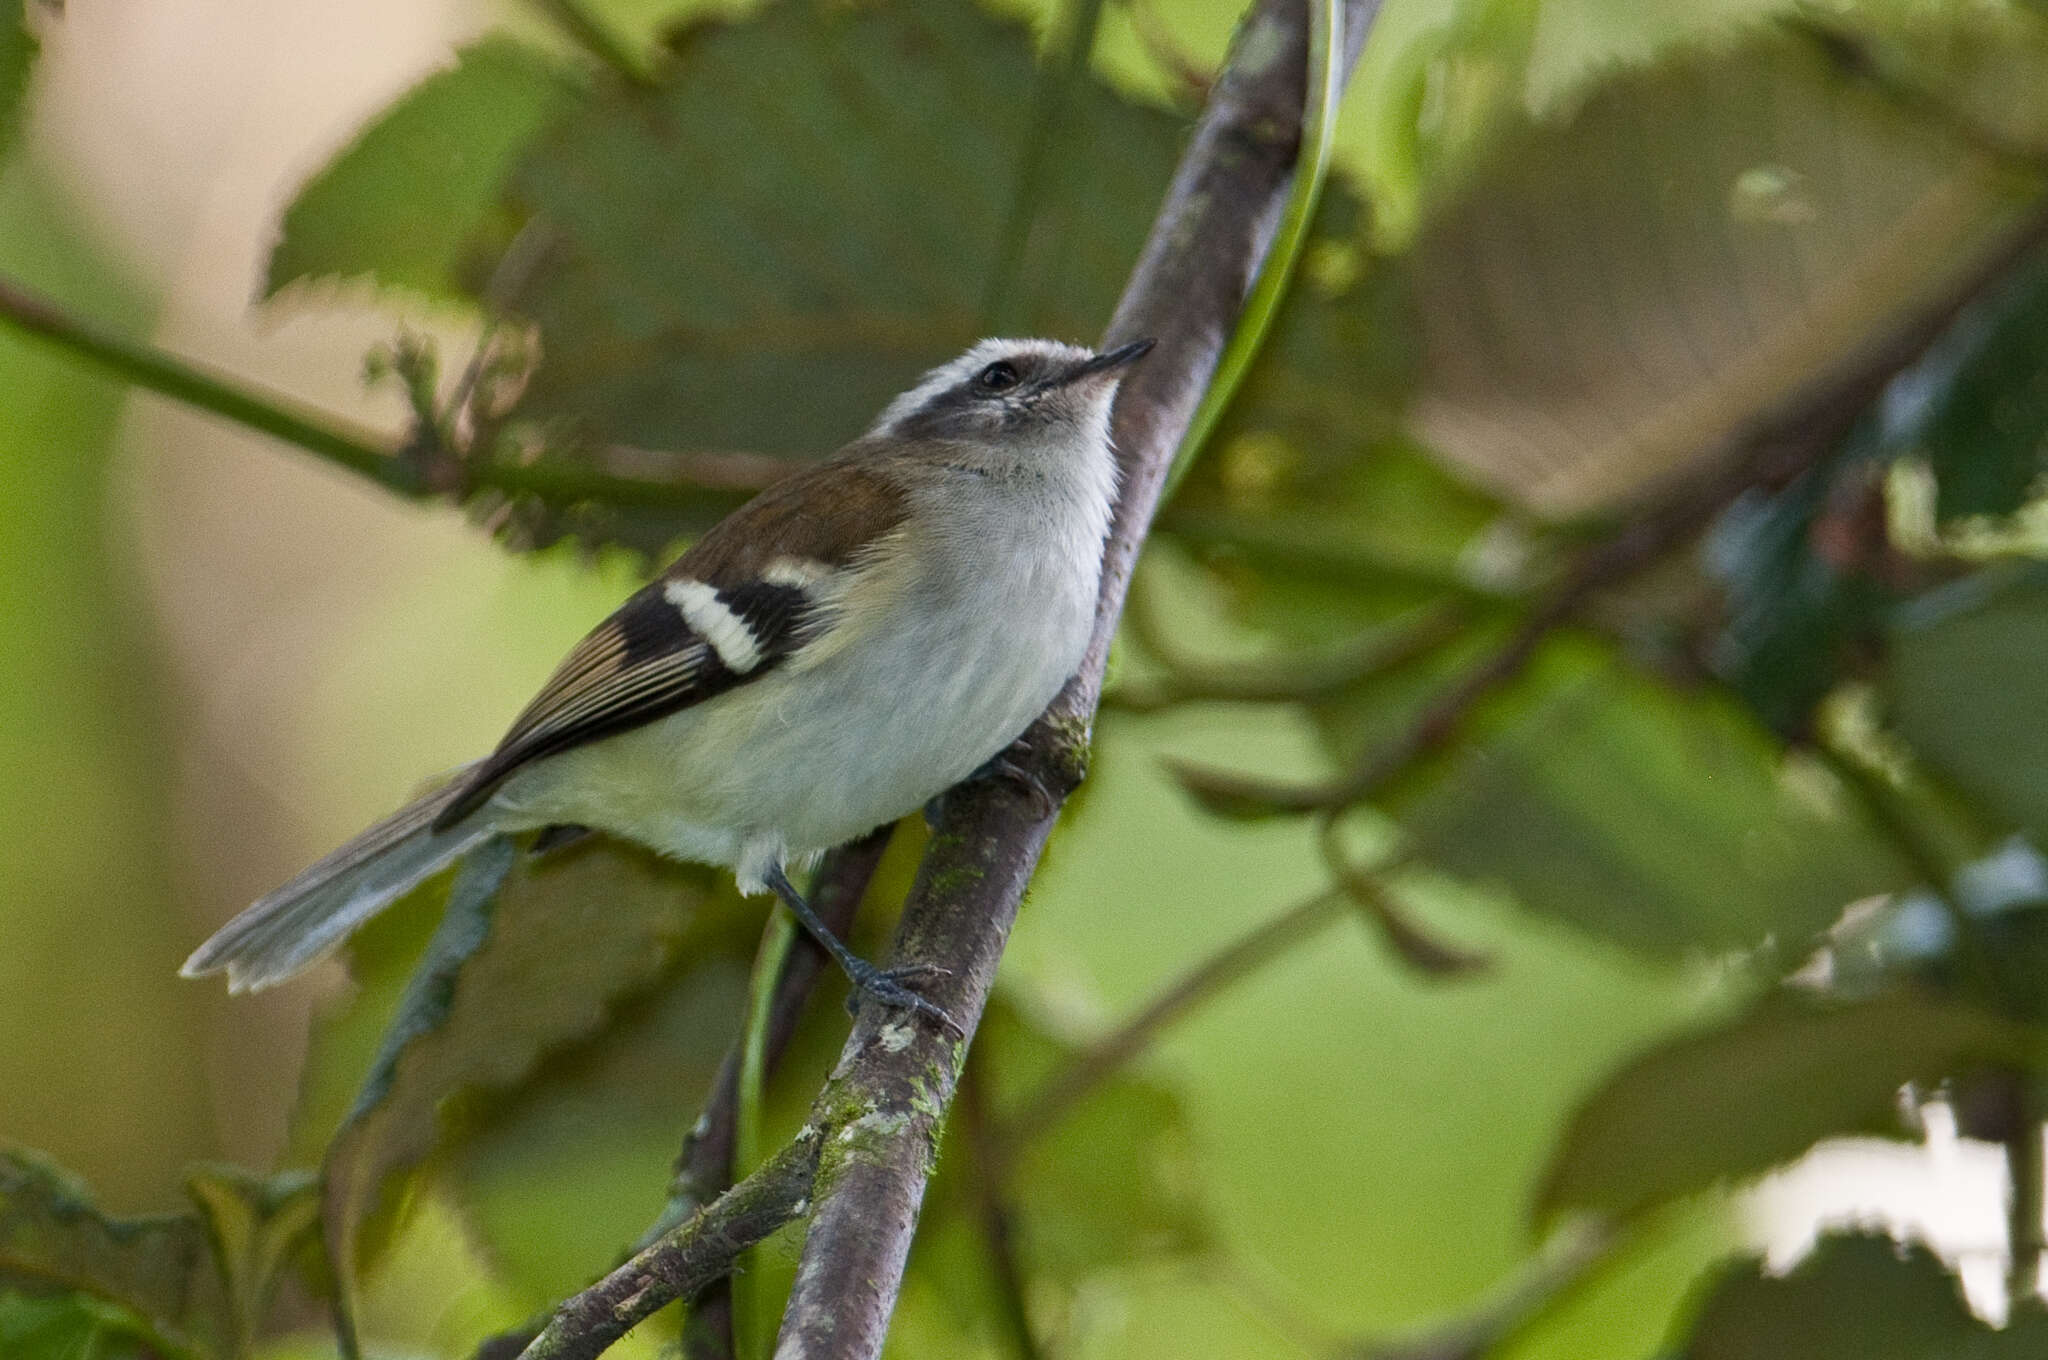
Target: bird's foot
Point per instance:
(888, 986)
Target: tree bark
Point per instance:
(882, 1110)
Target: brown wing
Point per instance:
(728, 611)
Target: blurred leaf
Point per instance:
(1606, 297)
(68, 1327)
(1967, 688)
(514, 973)
(1301, 558)
(561, 1174)
(1810, 571)
(761, 252)
(1805, 603)
(1854, 1298)
(1306, 488)
(1985, 433)
(1980, 68)
(1663, 821)
(1976, 405)
(1113, 1182)
(413, 200)
(256, 1225)
(1111, 1187)
(17, 55)
(1732, 1102)
(158, 1268)
(1628, 1302)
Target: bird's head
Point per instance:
(1032, 396)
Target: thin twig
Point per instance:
(1272, 540)
(1203, 983)
(704, 1167)
(354, 448)
(1366, 886)
(1567, 1263)
(710, 469)
(897, 1075)
(509, 277)
(686, 1259)
(1190, 80)
(1227, 1275)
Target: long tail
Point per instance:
(291, 928)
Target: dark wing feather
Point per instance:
(646, 661)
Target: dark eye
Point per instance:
(997, 377)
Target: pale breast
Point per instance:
(938, 660)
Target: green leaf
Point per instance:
(1967, 689)
(257, 1227)
(1666, 822)
(1605, 297)
(1854, 1298)
(159, 1268)
(68, 1327)
(412, 202)
(1984, 431)
(1981, 69)
(1798, 619)
(561, 1175)
(530, 958)
(1732, 1102)
(807, 212)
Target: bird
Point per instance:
(856, 639)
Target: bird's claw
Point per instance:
(887, 986)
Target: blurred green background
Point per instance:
(1771, 790)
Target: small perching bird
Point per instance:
(841, 649)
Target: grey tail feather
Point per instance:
(290, 929)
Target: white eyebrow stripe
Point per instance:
(800, 572)
(713, 621)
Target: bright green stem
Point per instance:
(1318, 131)
(746, 1155)
(360, 451)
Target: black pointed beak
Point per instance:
(1109, 360)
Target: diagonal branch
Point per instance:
(888, 1096)
(686, 1259)
(866, 1154)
